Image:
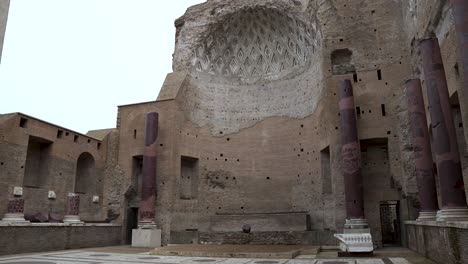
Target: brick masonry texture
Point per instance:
(15, 240)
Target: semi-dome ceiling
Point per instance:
(255, 42)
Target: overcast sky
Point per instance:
(72, 62)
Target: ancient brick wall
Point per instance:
(438, 242)
(41, 157)
(26, 239)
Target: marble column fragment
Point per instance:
(15, 210)
(351, 158)
(449, 168)
(73, 209)
(422, 151)
(148, 191)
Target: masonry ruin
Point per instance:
(299, 119)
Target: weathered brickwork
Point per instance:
(16, 239)
(442, 244)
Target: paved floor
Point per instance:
(130, 255)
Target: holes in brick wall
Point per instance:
(23, 122)
(59, 134)
(228, 139)
(336, 128)
(99, 145)
(358, 112)
(1, 163)
(221, 154)
(267, 178)
(238, 160)
(389, 132)
(89, 140)
(75, 138)
(220, 132)
(457, 70)
(161, 145)
(242, 207)
(67, 134)
(460, 125)
(355, 79)
(302, 125)
(134, 134)
(379, 75)
(382, 107)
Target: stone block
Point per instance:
(146, 238)
(18, 191)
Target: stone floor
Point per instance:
(125, 254)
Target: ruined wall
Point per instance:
(54, 168)
(4, 6)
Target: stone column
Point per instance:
(148, 189)
(73, 209)
(460, 13)
(351, 158)
(15, 210)
(422, 151)
(449, 169)
(147, 235)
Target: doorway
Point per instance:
(390, 221)
(132, 223)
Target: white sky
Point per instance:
(72, 62)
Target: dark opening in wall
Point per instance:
(134, 134)
(382, 106)
(341, 62)
(66, 134)
(89, 140)
(355, 78)
(188, 178)
(457, 70)
(379, 74)
(99, 145)
(85, 177)
(358, 112)
(326, 171)
(38, 160)
(23, 122)
(137, 177)
(59, 134)
(75, 138)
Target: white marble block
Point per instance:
(146, 238)
(355, 242)
(18, 191)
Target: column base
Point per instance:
(72, 219)
(448, 215)
(427, 216)
(355, 240)
(14, 218)
(146, 238)
(356, 224)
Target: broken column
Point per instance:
(445, 145)
(147, 234)
(72, 215)
(356, 237)
(422, 151)
(15, 211)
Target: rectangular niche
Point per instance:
(188, 178)
(326, 171)
(38, 160)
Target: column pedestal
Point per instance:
(356, 224)
(73, 209)
(15, 211)
(427, 216)
(452, 215)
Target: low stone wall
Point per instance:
(26, 238)
(269, 238)
(439, 241)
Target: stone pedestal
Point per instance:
(452, 215)
(15, 211)
(73, 209)
(427, 216)
(356, 224)
(146, 238)
(355, 240)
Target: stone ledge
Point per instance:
(461, 225)
(28, 224)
